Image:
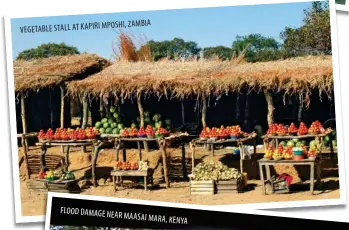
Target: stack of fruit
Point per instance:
(302, 130)
(281, 130)
(215, 171)
(292, 129)
(235, 131)
(42, 135)
(125, 133)
(68, 134)
(278, 153)
(273, 128)
(288, 154)
(111, 123)
(205, 134)
(214, 133)
(161, 132)
(223, 133)
(133, 132)
(141, 133)
(150, 131)
(269, 152)
(313, 152)
(316, 128)
(126, 166)
(155, 121)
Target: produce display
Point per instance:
(279, 129)
(111, 123)
(222, 133)
(215, 171)
(56, 175)
(68, 134)
(141, 165)
(148, 132)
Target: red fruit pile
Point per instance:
(302, 130)
(126, 166)
(316, 128)
(149, 131)
(141, 132)
(133, 132)
(214, 132)
(223, 132)
(292, 129)
(161, 131)
(90, 133)
(281, 130)
(125, 133)
(68, 134)
(235, 130)
(205, 133)
(273, 129)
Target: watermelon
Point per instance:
(112, 109)
(312, 143)
(108, 130)
(290, 143)
(304, 143)
(327, 138)
(115, 131)
(98, 125)
(116, 115)
(156, 117)
(102, 130)
(295, 140)
(147, 120)
(299, 144)
(334, 143)
(113, 125)
(120, 126)
(283, 143)
(111, 120)
(104, 120)
(106, 125)
(133, 125)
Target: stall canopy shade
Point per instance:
(183, 79)
(47, 72)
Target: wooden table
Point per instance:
(69, 143)
(267, 163)
(118, 174)
(239, 142)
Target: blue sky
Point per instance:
(206, 26)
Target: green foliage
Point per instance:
(222, 52)
(47, 50)
(258, 48)
(312, 38)
(176, 48)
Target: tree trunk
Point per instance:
(237, 109)
(203, 112)
(84, 117)
(62, 105)
(300, 108)
(271, 107)
(23, 114)
(141, 116)
(183, 113)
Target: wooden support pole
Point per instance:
(183, 113)
(300, 108)
(271, 107)
(141, 116)
(84, 117)
(62, 109)
(203, 112)
(162, 145)
(23, 115)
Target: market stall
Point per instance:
(224, 136)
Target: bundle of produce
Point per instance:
(68, 134)
(278, 153)
(235, 131)
(269, 152)
(133, 132)
(273, 129)
(214, 133)
(205, 133)
(111, 123)
(161, 132)
(125, 133)
(155, 120)
(313, 152)
(141, 132)
(215, 171)
(288, 153)
(316, 128)
(302, 130)
(281, 130)
(150, 131)
(126, 166)
(223, 133)
(292, 129)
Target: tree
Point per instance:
(47, 50)
(312, 38)
(222, 52)
(176, 48)
(258, 48)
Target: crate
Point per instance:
(230, 186)
(202, 187)
(277, 186)
(68, 186)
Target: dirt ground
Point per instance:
(34, 201)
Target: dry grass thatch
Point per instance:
(46, 72)
(183, 79)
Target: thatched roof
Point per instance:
(183, 79)
(47, 72)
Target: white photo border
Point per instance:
(170, 6)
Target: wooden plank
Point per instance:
(201, 189)
(129, 173)
(202, 193)
(202, 182)
(229, 182)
